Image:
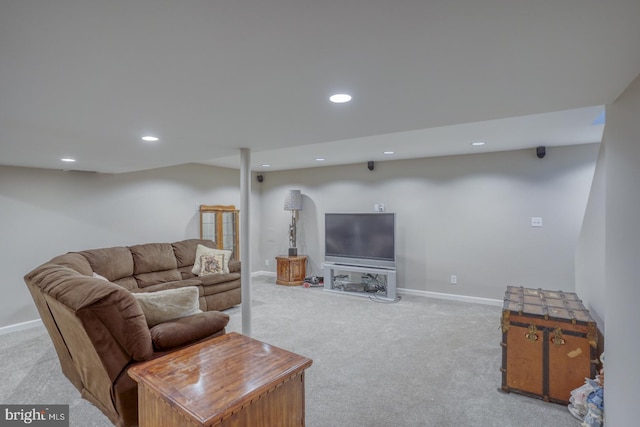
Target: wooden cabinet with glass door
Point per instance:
(220, 224)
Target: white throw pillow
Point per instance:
(169, 304)
(204, 250)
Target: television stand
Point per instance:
(329, 270)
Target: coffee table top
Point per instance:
(215, 378)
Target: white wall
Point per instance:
(44, 213)
(463, 215)
(622, 260)
(590, 252)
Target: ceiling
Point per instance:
(87, 79)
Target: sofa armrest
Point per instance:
(188, 330)
(118, 317)
(110, 315)
(234, 266)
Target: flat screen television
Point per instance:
(366, 239)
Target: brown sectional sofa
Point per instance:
(98, 328)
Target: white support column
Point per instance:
(245, 239)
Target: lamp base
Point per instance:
(293, 251)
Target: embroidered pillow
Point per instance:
(211, 264)
(204, 250)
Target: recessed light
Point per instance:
(68, 160)
(149, 138)
(339, 98)
(477, 143)
(389, 152)
(320, 159)
(265, 165)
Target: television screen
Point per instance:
(360, 239)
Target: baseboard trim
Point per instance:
(263, 273)
(425, 294)
(450, 297)
(20, 326)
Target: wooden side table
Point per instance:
(228, 381)
(291, 270)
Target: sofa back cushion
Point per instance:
(74, 261)
(115, 264)
(154, 263)
(185, 252)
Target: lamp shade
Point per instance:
(293, 201)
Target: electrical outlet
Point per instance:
(266, 263)
(454, 279)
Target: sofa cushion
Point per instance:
(185, 251)
(204, 250)
(186, 330)
(112, 263)
(223, 300)
(186, 273)
(220, 287)
(214, 279)
(127, 283)
(170, 304)
(75, 261)
(152, 257)
(156, 277)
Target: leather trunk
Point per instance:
(549, 342)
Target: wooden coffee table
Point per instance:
(231, 380)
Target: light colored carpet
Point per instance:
(418, 362)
